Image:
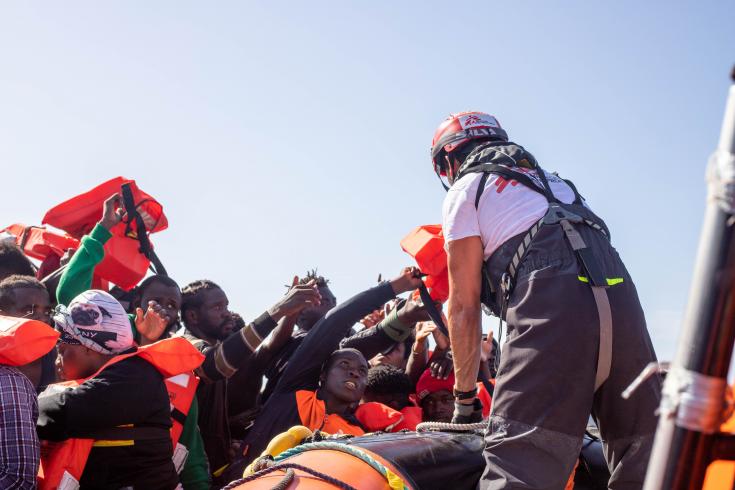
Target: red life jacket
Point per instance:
(375, 416)
(426, 245)
(62, 463)
(38, 241)
(123, 264)
(23, 340)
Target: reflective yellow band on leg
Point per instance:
(610, 281)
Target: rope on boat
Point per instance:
(286, 481)
(289, 467)
(394, 481)
(434, 426)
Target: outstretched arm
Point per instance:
(324, 337)
(464, 260)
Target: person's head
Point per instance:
(94, 328)
(204, 309)
(343, 378)
(312, 314)
(435, 397)
(388, 385)
(13, 261)
(25, 297)
(457, 136)
(164, 291)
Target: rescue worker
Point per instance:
(524, 243)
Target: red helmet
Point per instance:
(457, 130)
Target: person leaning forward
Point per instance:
(524, 242)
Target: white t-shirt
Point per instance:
(505, 210)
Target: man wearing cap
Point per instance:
(127, 397)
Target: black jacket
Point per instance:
(131, 391)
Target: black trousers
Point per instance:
(545, 386)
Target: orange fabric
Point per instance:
(171, 357)
(426, 245)
(485, 398)
(123, 263)
(342, 466)
(412, 416)
(376, 416)
(38, 242)
(181, 391)
(23, 340)
(570, 480)
(78, 215)
(61, 460)
(721, 474)
(313, 414)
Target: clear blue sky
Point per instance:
(282, 136)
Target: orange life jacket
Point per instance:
(426, 245)
(313, 414)
(38, 241)
(62, 463)
(23, 340)
(375, 416)
(721, 474)
(123, 264)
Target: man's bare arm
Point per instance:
(465, 257)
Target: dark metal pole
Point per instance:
(695, 385)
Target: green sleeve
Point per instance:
(77, 277)
(195, 475)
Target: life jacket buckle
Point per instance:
(557, 213)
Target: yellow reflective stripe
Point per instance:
(610, 281)
(105, 443)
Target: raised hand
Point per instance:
(441, 365)
(423, 330)
(486, 347)
(412, 311)
(372, 319)
(408, 280)
(112, 213)
(152, 323)
(298, 297)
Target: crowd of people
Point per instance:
(166, 386)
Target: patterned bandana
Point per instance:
(96, 320)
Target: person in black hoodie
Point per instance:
(126, 398)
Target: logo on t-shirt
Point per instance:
(478, 120)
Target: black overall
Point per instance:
(545, 389)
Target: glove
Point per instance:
(467, 414)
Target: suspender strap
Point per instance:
(481, 188)
(602, 301)
(604, 355)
